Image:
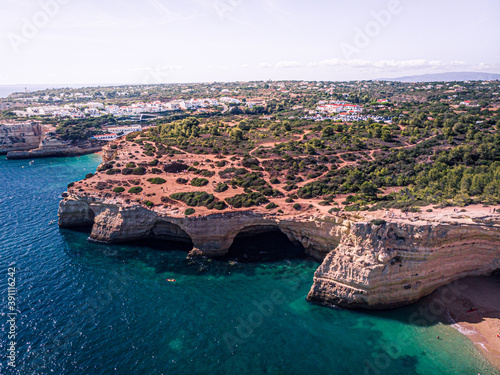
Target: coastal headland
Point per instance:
(392, 200)
(32, 139)
(375, 259)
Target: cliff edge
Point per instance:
(365, 264)
(397, 263)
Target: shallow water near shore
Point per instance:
(90, 308)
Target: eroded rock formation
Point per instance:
(20, 136)
(397, 263)
(363, 265)
(27, 140)
(212, 235)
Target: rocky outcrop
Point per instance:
(364, 265)
(27, 140)
(20, 136)
(212, 235)
(46, 152)
(392, 264)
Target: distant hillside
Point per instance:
(447, 77)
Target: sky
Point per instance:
(168, 41)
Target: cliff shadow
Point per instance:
(165, 244)
(469, 300)
(164, 256)
(263, 244)
(165, 235)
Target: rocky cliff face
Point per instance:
(211, 235)
(20, 136)
(45, 152)
(364, 265)
(397, 263)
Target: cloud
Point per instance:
(388, 65)
(288, 64)
(483, 66)
(278, 65)
(161, 68)
(155, 68)
(374, 65)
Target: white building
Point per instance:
(105, 137)
(186, 104)
(228, 100)
(124, 129)
(94, 105)
(172, 106)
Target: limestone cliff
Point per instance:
(212, 235)
(364, 265)
(28, 140)
(20, 136)
(387, 265)
(55, 151)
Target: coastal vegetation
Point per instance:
(408, 147)
(135, 190)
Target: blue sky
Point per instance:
(161, 41)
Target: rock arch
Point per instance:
(168, 231)
(264, 243)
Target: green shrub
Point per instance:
(274, 181)
(206, 173)
(195, 198)
(149, 203)
(220, 205)
(221, 186)
(131, 165)
(250, 162)
(289, 187)
(153, 162)
(105, 167)
(135, 190)
(139, 171)
(181, 181)
(113, 147)
(126, 171)
(89, 175)
(297, 206)
(113, 171)
(189, 211)
(157, 180)
(378, 222)
(271, 205)
(353, 207)
(247, 200)
(199, 182)
(119, 189)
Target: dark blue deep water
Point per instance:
(87, 308)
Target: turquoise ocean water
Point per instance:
(88, 308)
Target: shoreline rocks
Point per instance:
(52, 152)
(20, 136)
